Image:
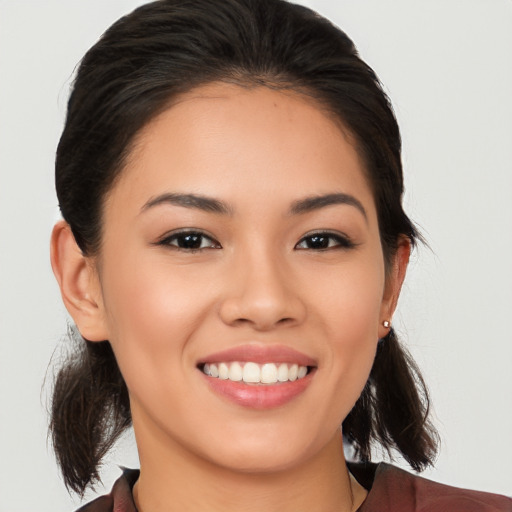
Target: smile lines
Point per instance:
(254, 373)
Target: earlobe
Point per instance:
(79, 284)
(394, 281)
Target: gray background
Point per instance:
(447, 66)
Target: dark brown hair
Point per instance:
(139, 65)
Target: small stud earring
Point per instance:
(386, 324)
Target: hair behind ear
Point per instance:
(90, 409)
(393, 409)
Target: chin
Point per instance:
(268, 450)
(262, 461)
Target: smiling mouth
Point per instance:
(253, 373)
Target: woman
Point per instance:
(232, 249)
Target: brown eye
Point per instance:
(190, 241)
(323, 241)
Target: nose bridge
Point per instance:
(262, 293)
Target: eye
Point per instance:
(322, 241)
(189, 241)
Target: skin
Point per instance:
(256, 281)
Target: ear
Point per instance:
(394, 280)
(79, 283)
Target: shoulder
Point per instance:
(396, 490)
(120, 498)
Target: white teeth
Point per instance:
(214, 371)
(282, 372)
(235, 372)
(268, 373)
(253, 373)
(223, 371)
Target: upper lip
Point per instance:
(260, 354)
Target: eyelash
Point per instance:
(340, 241)
(181, 235)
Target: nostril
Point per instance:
(262, 308)
(242, 321)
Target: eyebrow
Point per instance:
(312, 203)
(207, 204)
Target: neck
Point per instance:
(186, 482)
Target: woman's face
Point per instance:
(242, 239)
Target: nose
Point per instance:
(262, 294)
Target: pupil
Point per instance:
(318, 242)
(190, 241)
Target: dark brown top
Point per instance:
(390, 490)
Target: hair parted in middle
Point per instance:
(134, 72)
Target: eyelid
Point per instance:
(167, 237)
(344, 241)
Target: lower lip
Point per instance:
(259, 396)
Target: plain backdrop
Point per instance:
(447, 66)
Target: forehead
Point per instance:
(223, 139)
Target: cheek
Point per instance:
(152, 311)
(350, 316)
(349, 300)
